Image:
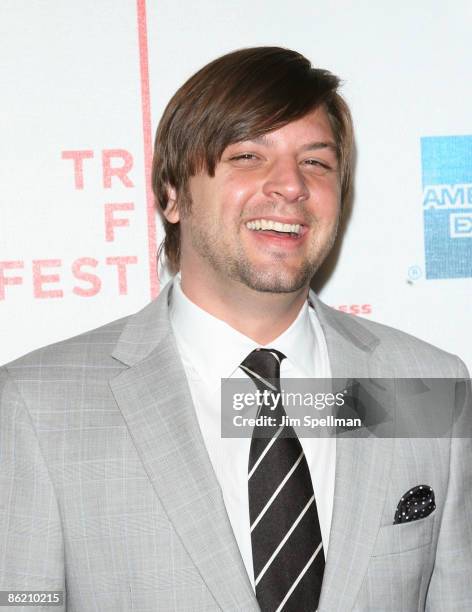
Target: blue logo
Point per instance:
(447, 205)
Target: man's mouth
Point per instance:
(275, 228)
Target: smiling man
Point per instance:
(116, 484)
(261, 225)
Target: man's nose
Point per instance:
(285, 181)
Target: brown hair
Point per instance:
(239, 96)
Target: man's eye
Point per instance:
(243, 157)
(317, 164)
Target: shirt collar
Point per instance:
(214, 350)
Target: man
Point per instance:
(116, 484)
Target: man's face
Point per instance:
(269, 216)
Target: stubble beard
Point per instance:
(239, 268)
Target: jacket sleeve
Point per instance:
(31, 543)
(450, 587)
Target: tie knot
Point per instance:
(263, 363)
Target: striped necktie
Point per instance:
(287, 549)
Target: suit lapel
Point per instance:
(156, 404)
(362, 468)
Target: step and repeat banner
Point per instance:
(83, 88)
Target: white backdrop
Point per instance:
(84, 85)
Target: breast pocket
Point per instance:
(399, 568)
(394, 539)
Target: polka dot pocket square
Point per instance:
(417, 503)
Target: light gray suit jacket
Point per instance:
(107, 491)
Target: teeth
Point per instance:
(265, 224)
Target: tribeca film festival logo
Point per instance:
(85, 273)
(447, 205)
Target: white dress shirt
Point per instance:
(210, 350)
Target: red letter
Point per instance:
(39, 279)
(93, 279)
(121, 172)
(121, 263)
(78, 158)
(9, 280)
(111, 222)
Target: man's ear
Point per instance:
(171, 212)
